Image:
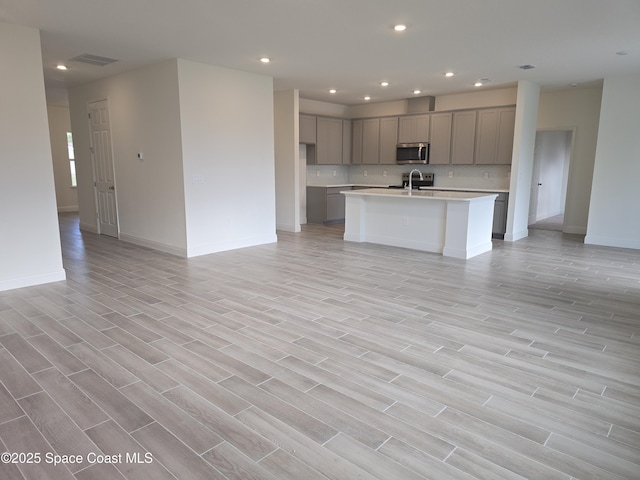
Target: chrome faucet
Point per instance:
(411, 177)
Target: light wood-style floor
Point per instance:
(550, 223)
(314, 358)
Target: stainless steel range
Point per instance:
(427, 180)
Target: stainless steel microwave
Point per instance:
(412, 153)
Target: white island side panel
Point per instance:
(396, 221)
(451, 223)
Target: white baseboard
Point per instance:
(162, 247)
(87, 227)
(612, 241)
(577, 230)
(288, 227)
(514, 237)
(68, 209)
(21, 282)
(233, 245)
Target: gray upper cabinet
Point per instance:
(356, 142)
(494, 136)
(329, 141)
(388, 140)
(413, 129)
(307, 127)
(463, 135)
(506, 131)
(440, 138)
(346, 142)
(370, 141)
(375, 140)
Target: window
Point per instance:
(72, 160)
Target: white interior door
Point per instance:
(103, 167)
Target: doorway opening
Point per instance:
(551, 160)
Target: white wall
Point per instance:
(59, 125)
(145, 117)
(578, 110)
(30, 251)
(289, 194)
(477, 99)
(315, 107)
(522, 161)
(381, 109)
(614, 212)
(227, 120)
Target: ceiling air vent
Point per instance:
(93, 59)
(526, 67)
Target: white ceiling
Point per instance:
(348, 45)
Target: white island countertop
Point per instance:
(463, 189)
(444, 189)
(421, 194)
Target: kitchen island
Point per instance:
(455, 224)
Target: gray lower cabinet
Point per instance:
(325, 204)
(500, 215)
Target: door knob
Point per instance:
(539, 184)
(112, 187)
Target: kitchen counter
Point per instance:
(422, 193)
(357, 185)
(454, 223)
(462, 189)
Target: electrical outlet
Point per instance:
(450, 173)
(486, 175)
(317, 173)
(335, 173)
(384, 173)
(364, 173)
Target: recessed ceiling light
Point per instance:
(449, 74)
(384, 84)
(61, 67)
(265, 59)
(367, 98)
(622, 53)
(332, 91)
(526, 67)
(573, 85)
(417, 92)
(400, 28)
(477, 84)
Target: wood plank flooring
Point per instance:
(318, 359)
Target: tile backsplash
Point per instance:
(461, 176)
